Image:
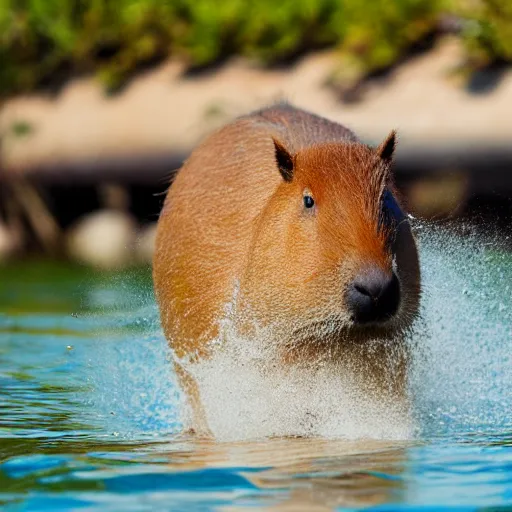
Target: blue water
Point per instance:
(90, 414)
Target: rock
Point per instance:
(9, 242)
(103, 239)
(146, 243)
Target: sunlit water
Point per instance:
(90, 414)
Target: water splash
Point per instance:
(248, 394)
(134, 392)
(461, 377)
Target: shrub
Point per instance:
(487, 30)
(42, 41)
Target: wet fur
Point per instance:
(234, 226)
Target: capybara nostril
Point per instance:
(373, 296)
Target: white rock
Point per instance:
(8, 242)
(103, 239)
(146, 243)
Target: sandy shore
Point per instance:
(164, 112)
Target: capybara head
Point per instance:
(333, 250)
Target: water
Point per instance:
(90, 414)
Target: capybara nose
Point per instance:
(373, 296)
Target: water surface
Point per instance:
(90, 414)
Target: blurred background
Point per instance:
(100, 101)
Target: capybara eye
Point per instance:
(309, 202)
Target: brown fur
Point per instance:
(230, 219)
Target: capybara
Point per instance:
(295, 217)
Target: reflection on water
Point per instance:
(90, 413)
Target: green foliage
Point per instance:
(21, 128)
(488, 29)
(44, 40)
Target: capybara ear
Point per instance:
(387, 148)
(284, 161)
